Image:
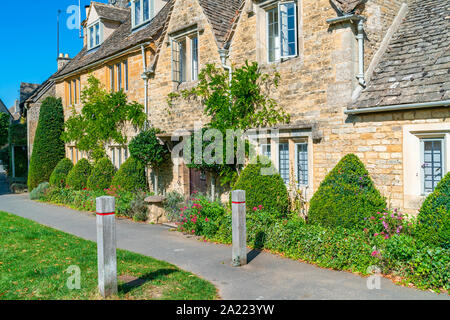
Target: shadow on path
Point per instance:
(138, 282)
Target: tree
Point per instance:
(242, 104)
(48, 147)
(4, 126)
(102, 119)
(149, 151)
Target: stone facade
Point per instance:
(316, 87)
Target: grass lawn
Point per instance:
(34, 258)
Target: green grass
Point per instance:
(34, 258)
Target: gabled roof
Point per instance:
(111, 12)
(122, 39)
(26, 90)
(4, 109)
(221, 15)
(416, 65)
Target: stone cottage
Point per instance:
(364, 77)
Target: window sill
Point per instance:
(278, 62)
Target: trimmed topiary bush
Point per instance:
(59, 175)
(266, 190)
(79, 175)
(131, 176)
(346, 196)
(48, 147)
(102, 175)
(434, 216)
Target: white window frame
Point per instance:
(280, 44)
(297, 145)
(100, 37)
(178, 76)
(151, 12)
(422, 159)
(194, 62)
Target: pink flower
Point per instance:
(376, 235)
(260, 207)
(365, 229)
(255, 209)
(375, 253)
(206, 219)
(193, 231)
(386, 237)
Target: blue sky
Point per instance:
(28, 51)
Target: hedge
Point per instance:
(58, 177)
(434, 216)
(102, 175)
(346, 196)
(48, 147)
(79, 175)
(264, 190)
(131, 176)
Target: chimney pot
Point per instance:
(66, 56)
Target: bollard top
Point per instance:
(238, 196)
(106, 205)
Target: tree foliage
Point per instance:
(148, 149)
(242, 104)
(48, 147)
(4, 128)
(131, 176)
(102, 119)
(102, 175)
(79, 175)
(59, 175)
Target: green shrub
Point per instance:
(39, 192)
(102, 175)
(131, 176)
(174, 202)
(434, 216)
(79, 175)
(264, 190)
(48, 147)
(346, 196)
(59, 175)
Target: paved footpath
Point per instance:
(267, 276)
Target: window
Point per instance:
(185, 65)
(73, 91)
(118, 76)
(432, 163)
(75, 155)
(95, 35)
(282, 31)
(142, 11)
(284, 162)
(301, 155)
(119, 155)
(266, 150)
(194, 46)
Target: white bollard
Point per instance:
(106, 246)
(239, 254)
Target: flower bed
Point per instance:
(386, 241)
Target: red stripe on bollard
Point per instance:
(106, 214)
(238, 202)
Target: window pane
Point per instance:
(284, 162)
(288, 29)
(91, 37)
(97, 34)
(176, 61)
(183, 61)
(126, 74)
(302, 164)
(146, 10)
(119, 76)
(137, 12)
(75, 96)
(70, 93)
(111, 78)
(433, 164)
(194, 58)
(273, 38)
(266, 151)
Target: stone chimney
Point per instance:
(63, 60)
(119, 3)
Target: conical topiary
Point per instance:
(346, 196)
(434, 215)
(59, 175)
(79, 175)
(131, 176)
(102, 175)
(48, 147)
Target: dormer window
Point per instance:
(95, 35)
(142, 11)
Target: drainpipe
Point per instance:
(360, 38)
(223, 57)
(360, 20)
(145, 78)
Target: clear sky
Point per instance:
(28, 41)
